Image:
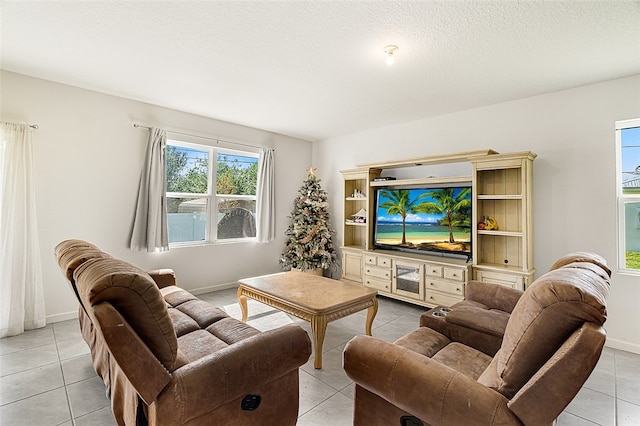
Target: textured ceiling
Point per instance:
(316, 69)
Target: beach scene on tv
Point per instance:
(431, 219)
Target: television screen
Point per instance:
(435, 219)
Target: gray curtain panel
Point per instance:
(150, 223)
(265, 205)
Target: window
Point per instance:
(628, 184)
(211, 193)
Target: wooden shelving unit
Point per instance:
(502, 187)
(355, 235)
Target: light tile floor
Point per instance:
(46, 377)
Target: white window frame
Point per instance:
(622, 198)
(212, 196)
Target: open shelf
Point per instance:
(499, 197)
(502, 250)
(500, 233)
(355, 223)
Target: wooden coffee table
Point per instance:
(312, 298)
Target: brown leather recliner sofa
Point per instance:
(169, 358)
(552, 341)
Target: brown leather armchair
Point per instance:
(552, 341)
(168, 358)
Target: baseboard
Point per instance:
(62, 317)
(215, 287)
(622, 345)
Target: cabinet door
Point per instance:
(352, 266)
(408, 279)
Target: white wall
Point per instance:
(88, 159)
(574, 175)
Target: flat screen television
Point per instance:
(429, 220)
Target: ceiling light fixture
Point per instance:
(390, 50)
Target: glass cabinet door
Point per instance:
(408, 279)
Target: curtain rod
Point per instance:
(33, 126)
(202, 137)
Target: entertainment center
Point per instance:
(420, 239)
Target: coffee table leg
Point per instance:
(371, 314)
(242, 301)
(318, 328)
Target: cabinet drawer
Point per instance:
(508, 280)
(452, 289)
(375, 260)
(370, 259)
(376, 272)
(432, 270)
(436, 298)
(454, 274)
(378, 284)
(384, 261)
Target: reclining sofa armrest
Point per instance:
(234, 371)
(163, 277)
(561, 377)
(423, 387)
(494, 296)
(143, 370)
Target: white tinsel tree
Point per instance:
(308, 242)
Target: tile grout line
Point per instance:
(615, 388)
(64, 380)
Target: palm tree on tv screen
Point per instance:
(400, 203)
(453, 206)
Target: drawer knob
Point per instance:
(458, 289)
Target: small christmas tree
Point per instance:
(308, 238)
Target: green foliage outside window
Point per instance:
(633, 259)
(182, 177)
(235, 175)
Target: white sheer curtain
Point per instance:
(21, 292)
(150, 223)
(265, 205)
